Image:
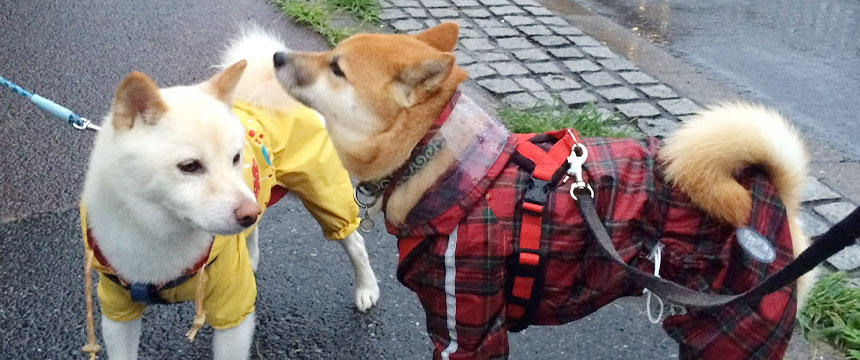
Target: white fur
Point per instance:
(366, 288)
(234, 343)
(152, 221)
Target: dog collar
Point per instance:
(135, 288)
(421, 154)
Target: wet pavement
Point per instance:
(799, 56)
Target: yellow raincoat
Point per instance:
(284, 150)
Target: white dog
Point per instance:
(177, 179)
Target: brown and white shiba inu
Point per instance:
(382, 93)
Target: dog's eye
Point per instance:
(190, 166)
(336, 70)
(236, 159)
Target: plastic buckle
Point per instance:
(537, 191)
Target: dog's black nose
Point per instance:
(280, 58)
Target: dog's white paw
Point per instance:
(366, 296)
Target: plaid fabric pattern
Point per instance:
(639, 210)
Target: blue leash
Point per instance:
(55, 109)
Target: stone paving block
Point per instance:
(463, 58)
(600, 79)
(441, 13)
(618, 93)
(566, 30)
(521, 100)
(476, 13)
(526, 3)
(506, 10)
(492, 56)
(392, 14)
(584, 41)
(405, 3)
(545, 97)
(430, 23)
(464, 23)
(531, 55)
(553, 20)
(499, 32)
(518, 20)
(416, 12)
(477, 44)
(581, 66)
(494, 2)
(686, 118)
(810, 224)
(577, 97)
(385, 4)
(535, 30)
(637, 109)
(538, 11)
(510, 68)
(835, 211)
(500, 86)
(637, 77)
(814, 190)
(681, 106)
(466, 3)
(559, 82)
(551, 40)
(434, 3)
(659, 127)
(514, 43)
(617, 64)
(566, 52)
(489, 23)
(846, 260)
(407, 25)
(477, 71)
(602, 52)
(529, 84)
(543, 68)
(658, 91)
(470, 34)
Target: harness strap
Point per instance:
(834, 240)
(527, 262)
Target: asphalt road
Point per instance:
(75, 53)
(799, 56)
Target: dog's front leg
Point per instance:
(121, 338)
(234, 343)
(366, 288)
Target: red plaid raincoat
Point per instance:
(455, 252)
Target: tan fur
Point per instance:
(222, 84)
(388, 115)
(136, 97)
(702, 157)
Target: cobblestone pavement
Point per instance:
(524, 55)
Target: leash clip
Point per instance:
(83, 123)
(578, 155)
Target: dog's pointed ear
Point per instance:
(222, 84)
(443, 37)
(136, 99)
(417, 82)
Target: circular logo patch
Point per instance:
(755, 245)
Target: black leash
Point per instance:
(826, 245)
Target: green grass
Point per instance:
(318, 15)
(587, 121)
(832, 314)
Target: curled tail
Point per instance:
(702, 157)
(258, 84)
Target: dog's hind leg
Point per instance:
(253, 248)
(121, 338)
(366, 288)
(234, 343)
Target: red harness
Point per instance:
(527, 271)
